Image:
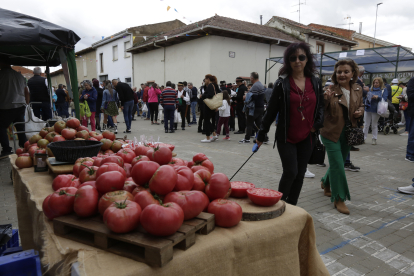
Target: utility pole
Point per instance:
(299, 7)
(349, 23)
(375, 32)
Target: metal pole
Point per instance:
(396, 64)
(266, 72)
(320, 70)
(375, 32)
(299, 11)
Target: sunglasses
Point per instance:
(293, 58)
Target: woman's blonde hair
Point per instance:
(352, 64)
(381, 82)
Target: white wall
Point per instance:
(249, 57)
(188, 61)
(121, 68)
(149, 66)
(329, 47)
(191, 61)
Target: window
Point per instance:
(115, 53)
(128, 81)
(320, 47)
(101, 62)
(84, 69)
(126, 46)
(103, 78)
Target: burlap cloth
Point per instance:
(281, 246)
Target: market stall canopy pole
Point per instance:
(74, 80)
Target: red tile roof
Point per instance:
(307, 28)
(338, 31)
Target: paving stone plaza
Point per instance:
(375, 239)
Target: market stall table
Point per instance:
(280, 246)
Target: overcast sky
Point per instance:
(93, 19)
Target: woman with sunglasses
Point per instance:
(343, 108)
(298, 98)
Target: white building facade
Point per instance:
(226, 58)
(113, 61)
(189, 54)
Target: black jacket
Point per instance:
(410, 95)
(280, 103)
(61, 96)
(38, 90)
(99, 99)
(240, 93)
(211, 90)
(125, 93)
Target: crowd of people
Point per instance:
(303, 110)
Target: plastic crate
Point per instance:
(19, 264)
(13, 242)
(11, 250)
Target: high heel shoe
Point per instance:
(341, 207)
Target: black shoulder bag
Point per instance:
(318, 153)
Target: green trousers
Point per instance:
(335, 176)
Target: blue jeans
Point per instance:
(410, 143)
(42, 109)
(169, 116)
(193, 111)
(62, 110)
(110, 121)
(128, 106)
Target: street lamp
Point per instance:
(376, 16)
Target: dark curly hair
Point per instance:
(310, 67)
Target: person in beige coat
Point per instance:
(343, 108)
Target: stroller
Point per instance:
(385, 125)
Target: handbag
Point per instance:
(214, 102)
(318, 153)
(354, 136)
(403, 105)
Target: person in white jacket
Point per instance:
(224, 113)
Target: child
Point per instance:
(72, 107)
(224, 113)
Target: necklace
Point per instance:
(301, 97)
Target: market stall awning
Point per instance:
(375, 60)
(31, 41)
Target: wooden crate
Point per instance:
(137, 245)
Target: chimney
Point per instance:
(261, 20)
(360, 27)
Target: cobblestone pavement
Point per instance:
(376, 239)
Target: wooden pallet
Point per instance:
(137, 245)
